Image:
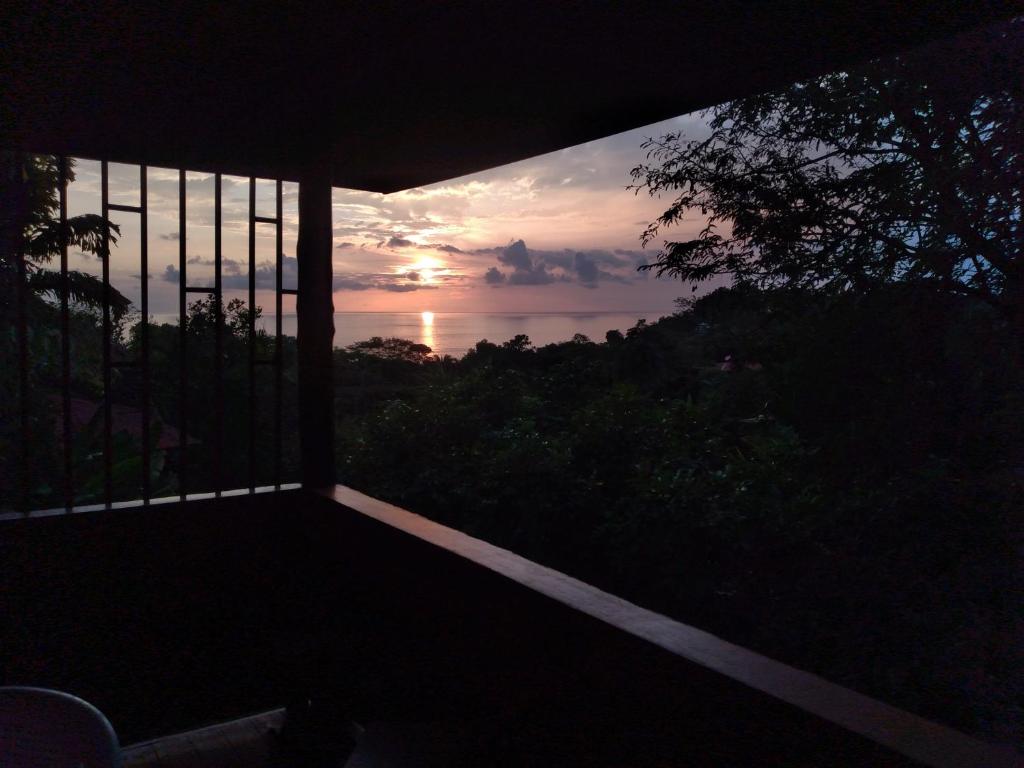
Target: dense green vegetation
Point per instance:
(834, 480)
(31, 239)
(198, 462)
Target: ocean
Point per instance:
(453, 333)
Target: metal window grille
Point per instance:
(142, 364)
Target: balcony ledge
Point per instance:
(910, 735)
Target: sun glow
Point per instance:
(428, 318)
(427, 269)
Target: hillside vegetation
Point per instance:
(833, 480)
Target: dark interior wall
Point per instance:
(174, 616)
(163, 617)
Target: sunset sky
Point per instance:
(558, 232)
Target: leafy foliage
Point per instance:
(30, 238)
(391, 349)
(834, 480)
(168, 462)
(30, 224)
(906, 169)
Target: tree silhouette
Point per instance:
(30, 225)
(906, 169)
(392, 349)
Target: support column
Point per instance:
(315, 309)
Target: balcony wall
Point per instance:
(173, 616)
(164, 616)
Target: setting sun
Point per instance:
(427, 268)
(427, 262)
(428, 318)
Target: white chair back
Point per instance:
(40, 728)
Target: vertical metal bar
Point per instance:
(182, 339)
(23, 377)
(218, 363)
(108, 445)
(144, 337)
(252, 334)
(278, 342)
(65, 340)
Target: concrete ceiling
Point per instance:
(395, 95)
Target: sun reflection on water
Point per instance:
(427, 328)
